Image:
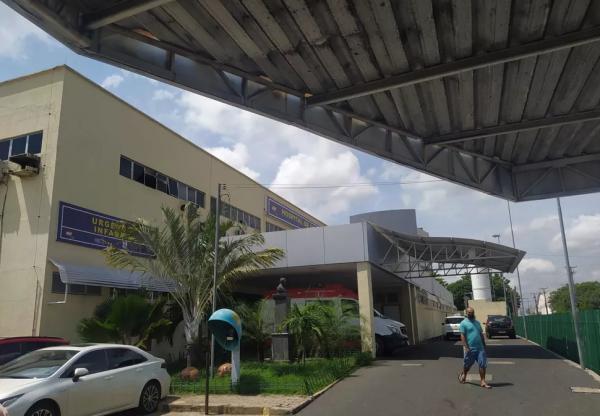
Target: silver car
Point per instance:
(83, 380)
(452, 326)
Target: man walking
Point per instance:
(473, 343)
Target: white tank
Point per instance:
(482, 289)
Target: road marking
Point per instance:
(475, 377)
(412, 365)
(501, 362)
(585, 390)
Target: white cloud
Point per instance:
(320, 170)
(237, 157)
(163, 94)
(112, 81)
(536, 265)
(540, 223)
(15, 32)
(582, 235)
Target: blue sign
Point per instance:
(283, 213)
(92, 229)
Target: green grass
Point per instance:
(276, 378)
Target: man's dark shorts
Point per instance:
(475, 355)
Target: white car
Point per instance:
(83, 380)
(451, 326)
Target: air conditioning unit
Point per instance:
(23, 165)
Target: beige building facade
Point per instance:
(101, 162)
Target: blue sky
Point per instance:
(278, 154)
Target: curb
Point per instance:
(226, 409)
(313, 397)
(591, 373)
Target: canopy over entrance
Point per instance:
(498, 96)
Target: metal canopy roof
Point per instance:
(416, 256)
(498, 96)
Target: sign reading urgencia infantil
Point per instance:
(84, 227)
(283, 213)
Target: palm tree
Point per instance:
(129, 319)
(255, 326)
(184, 256)
(337, 327)
(304, 323)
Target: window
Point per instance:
(273, 227)
(123, 357)
(234, 214)
(93, 361)
(19, 146)
(74, 289)
(159, 181)
(28, 143)
(138, 173)
(125, 168)
(173, 187)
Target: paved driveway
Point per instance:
(537, 383)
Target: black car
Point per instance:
(500, 325)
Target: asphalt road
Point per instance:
(537, 383)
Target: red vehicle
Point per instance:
(11, 348)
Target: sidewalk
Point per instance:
(230, 404)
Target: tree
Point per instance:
(130, 319)
(336, 327)
(255, 327)
(305, 324)
(497, 282)
(460, 289)
(441, 280)
(183, 251)
(588, 297)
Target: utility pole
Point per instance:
(536, 300)
(572, 293)
(215, 271)
(545, 299)
(518, 274)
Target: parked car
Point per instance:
(499, 325)
(390, 335)
(11, 348)
(452, 326)
(83, 380)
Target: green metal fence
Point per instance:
(556, 333)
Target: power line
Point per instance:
(325, 186)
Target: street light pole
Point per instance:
(512, 232)
(215, 270)
(572, 293)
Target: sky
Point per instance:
(276, 154)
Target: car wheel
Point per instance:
(150, 397)
(513, 336)
(44, 408)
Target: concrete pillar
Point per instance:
(365, 307)
(413, 314)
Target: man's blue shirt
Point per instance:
(471, 329)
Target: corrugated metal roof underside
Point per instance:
(533, 106)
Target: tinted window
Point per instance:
(191, 194)
(37, 364)
(454, 320)
(94, 362)
(18, 145)
(125, 168)
(200, 198)
(161, 183)
(123, 357)
(150, 178)
(138, 173)
(32, 346)
(35, 143)
(4, 148)
(173, 187)
(182, 191)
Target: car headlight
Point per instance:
(10, 400)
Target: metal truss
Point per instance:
(419, 257)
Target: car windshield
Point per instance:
(498, 318)
(454, 320)
(37, 364)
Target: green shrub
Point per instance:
(363, 359)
